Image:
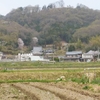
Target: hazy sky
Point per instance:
(7, 5)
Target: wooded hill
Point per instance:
(51, 25)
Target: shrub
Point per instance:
(86, 87)
(82, 80)
(56, 59)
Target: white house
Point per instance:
(89, 56)
(38, 58)
(24, 57)
(30, 57)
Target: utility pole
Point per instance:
(53, 53)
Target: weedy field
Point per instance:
(49, 81)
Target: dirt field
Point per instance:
(46, 91)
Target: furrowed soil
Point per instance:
(45, 91)
(8, 92)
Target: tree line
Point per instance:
(51, 24)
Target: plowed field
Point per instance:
(44, 91)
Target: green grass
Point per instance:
(16, 81)
(96, 81)
(82, 80)
(30, 65)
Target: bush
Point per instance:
(86, 87)
(82, 80)
(96, 81)
(56, 59)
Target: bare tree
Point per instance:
(44, 7)
(61, 3)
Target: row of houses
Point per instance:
(80, 56)
(69, 56)
(38, 54)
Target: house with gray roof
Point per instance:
(72, 56)
(37, 50)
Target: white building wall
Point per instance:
(87, 56)
(30, 57)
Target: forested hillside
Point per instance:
(52, 23)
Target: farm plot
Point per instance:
(67, 93)
(52, 91)
(45, 91)
(7, 92)
(50, 84)
(40, 94)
